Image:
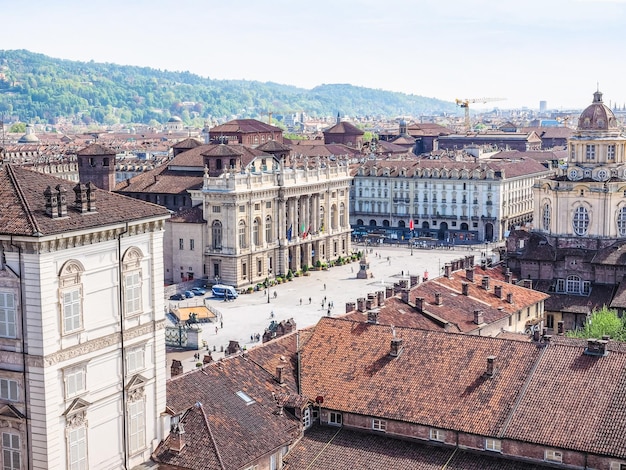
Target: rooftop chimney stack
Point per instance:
(62, 200)
(381, 297)
(438, 300)
(279, 374)
(176, 368)
(51, 203)
(509, 297)
(419, 304)
(497, 290)
(508, 276)
(465, 288)
(491, 366)
(485, 282)
(372, 317)
(469, 274)
(396, 344)
(360, 304)
(478, 317)
(447, 270)
(560, 327)
(350, 307)
(596, 347)
(177, 441)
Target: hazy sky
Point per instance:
(553, 50)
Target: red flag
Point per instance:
(411, 224)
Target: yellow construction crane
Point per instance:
(466, 104)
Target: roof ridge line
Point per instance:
(23, 201)
(208, 425)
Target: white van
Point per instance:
(221, 290)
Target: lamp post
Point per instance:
(269, 273)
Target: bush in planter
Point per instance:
(305, 268)
(318, 264)
(289, 275)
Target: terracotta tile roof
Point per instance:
(613, 255)
(348, 363)
(23, 208)
(344, 128)
(600, 295)
(161, 180)
(323, 448)
(583, 402)
(241, 432)
(244, 126)
(189, 215)
(619, 299)
(95, 149)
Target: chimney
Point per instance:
(369, 304)
(491, 366)
(381, 297)
(465, 288)
(509, 297)
(438, 300)
(91, 196)
(404, 283)
(447, 270)
(80, 201)
(279, 374)
(207, 359)
(485, 282)
(419, 304)
(373, 298)
(62, 200)
(177, 368)
(396, 344)
(414, 280)
(177, 441)
(388, 292)
(508, 276)
(350, 307)
(51, 203)
(560, 327)
(596, 347)
(478, 317)
(469, 274)
(497, 290)
(360, 304)
(372, 317)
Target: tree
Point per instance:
(18, 127)
(602, 322)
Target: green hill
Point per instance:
(39, 89)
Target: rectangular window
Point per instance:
(610, 152)
(7, 315)
(75, 381)
(71, 311)
(244, 270)
(618, 466)
(135, 360)
(137, 426)
(590, 152)
(560, 285)
(257, 206)
(437, 435)
(334, 418)
(494, 445)
(379, 425)
(554, 456)
(133, 292)
(77, 443)
(11, 455)
(268, 205)
(216, 209)
(242, 208)
(549, 321)
(181, 244)
(192, 244)
(9, 390)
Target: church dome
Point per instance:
(597, 116)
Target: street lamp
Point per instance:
(269, 273)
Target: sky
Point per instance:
(521, 53)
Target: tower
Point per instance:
(96, 164)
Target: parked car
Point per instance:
(177, 297)
(189, 294)
(198, 291)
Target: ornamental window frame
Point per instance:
(8, 315)
(546, 216)
(580, 220)
(11, 450)
(71, 297)
(216, 234)
(75, 381)
(132, 281)
(621, 221)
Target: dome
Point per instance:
(175, 119)
(597, 116)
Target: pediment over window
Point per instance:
(10, 413)
(135, 387)
(77, 406)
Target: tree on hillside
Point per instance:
(602, 322)
(18, 128)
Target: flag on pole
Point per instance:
(289, 230)
(411, 224)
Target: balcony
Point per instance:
(397, 200)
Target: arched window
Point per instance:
(255, 232)
(268, 229)
(131, 266)
(546, 217)
(217, 235)
(71, 296)
(342, 215)
(581, 221)
(621, 222)
(243, 240)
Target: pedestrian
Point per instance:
(216, 330)
(221, 324)
(328, 314)
(324, 286)
(275, 294)
(309, 300)
(324, 299)
(251, 338)
(272, 314)
(300, 300)
(351, 269)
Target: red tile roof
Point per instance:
(23, 206)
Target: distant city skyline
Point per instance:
(558, 51)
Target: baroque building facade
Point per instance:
(82, 383)
(271, 219)
(574, 251)
(453, 200)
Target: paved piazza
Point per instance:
(250, 314)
